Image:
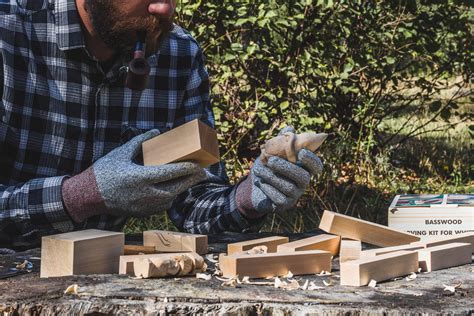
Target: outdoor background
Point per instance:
(390, 81)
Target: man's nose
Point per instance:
(164, 8)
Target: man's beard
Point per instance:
(118, 31)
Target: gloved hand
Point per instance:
(277, 185)
(116, 185)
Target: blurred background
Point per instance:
(390, 81)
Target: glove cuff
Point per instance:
(243, 199)
(81, 196)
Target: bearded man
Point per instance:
(71, 132)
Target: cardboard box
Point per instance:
(432, 216)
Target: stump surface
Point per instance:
(114, 294)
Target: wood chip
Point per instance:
(312, 286)
(203, 276)
(288, 275)
(373, 283)
(72, 289)
(329, 282)
(451, 288)
(257, 250)
(324, 273)
(411, 277)
(305, 285)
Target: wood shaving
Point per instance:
(312, 286)
(328, 282)
(245, 280)
(212, 258)
(257, 250)
(72, 289)
(305, 285)
(288, 275)
(24, 266)
(203, 276)
(232, 283)
(451, 288)
(373, 283)
(324, 273)
(411, 277)
(290, 286)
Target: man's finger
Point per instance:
(310, 161)
(157, 174)
(289, 170)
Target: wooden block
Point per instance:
(193, 141)
(276, 264)
(380, 268)
(462, 238)
(382, 251)
(270, 242)
(83, 252)
(444, 256)
(321, 242)
(350, 250)
(367, 232)
(165, 241)
(169, 265)
(127, 263)
(136, 250)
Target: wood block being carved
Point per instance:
(444, 256)
(270, 242)
(380, 268)
(350, 250)
(321, 242)
(383, 251)
(83, 252)
(462, 238)
(193, 141)
(165, 241)
(365, 231)
(276, 264)
(169, 265)
(127, 263)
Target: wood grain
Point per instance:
(167, 241)
(321, 242)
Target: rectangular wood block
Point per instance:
(126, 266)
(380, 268)
(166, 241)
(444, 256)
(385, 250)
(83, 252)
(365, 231)
(270, 242)
(276, 264)
(193, 141)
(462, 238)
(321, 242)
(350, 250)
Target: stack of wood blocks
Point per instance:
(400, 253)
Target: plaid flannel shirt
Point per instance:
(60, 112)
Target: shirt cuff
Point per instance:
(45, 203)
(245, 224)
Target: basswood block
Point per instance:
(275, 264)
(462, 238)
(365, 231)
(349, 250)
(321, 242)
(382, 251)
(165, 241)
(193, 141)
(127, 263)
(83, 252)
(444, 256)
(136, 250)
(270, 242)
(380, 268)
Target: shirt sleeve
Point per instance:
(31, 210)
(209, 207)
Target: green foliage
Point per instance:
(347, 68)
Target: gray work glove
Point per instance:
(116, 185)
(276, 186)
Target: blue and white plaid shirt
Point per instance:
(60, 112)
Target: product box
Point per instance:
(432, 215)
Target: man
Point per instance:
(71, 133)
